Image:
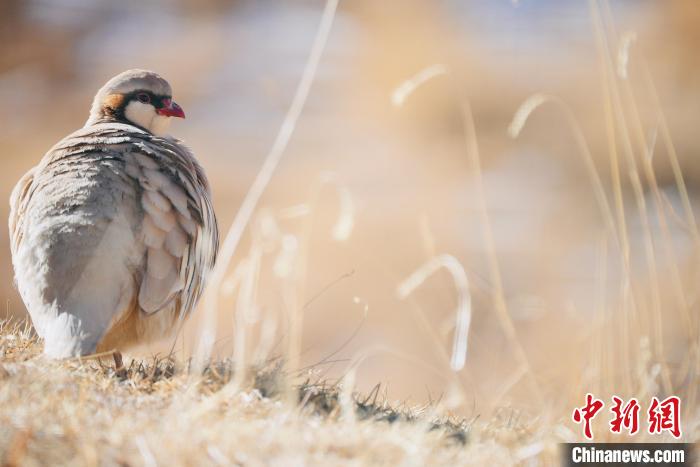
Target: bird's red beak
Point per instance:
(171, 109)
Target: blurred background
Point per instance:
(371, 188)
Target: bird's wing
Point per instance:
(179, 228)
(18, 204)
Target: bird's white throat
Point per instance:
(145, 116)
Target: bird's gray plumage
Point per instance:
(112, 236)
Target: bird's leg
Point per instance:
(119, 369)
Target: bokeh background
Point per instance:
(368, 191)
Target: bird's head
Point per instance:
(138, 97)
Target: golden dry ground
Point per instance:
(85, 413)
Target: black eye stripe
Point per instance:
(157, 101)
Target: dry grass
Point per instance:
(635, 336)
(158, 412)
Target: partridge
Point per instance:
(113, 233)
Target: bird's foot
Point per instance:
(119, 368)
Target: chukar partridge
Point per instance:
(113, 233)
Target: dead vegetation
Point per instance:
(158, 412)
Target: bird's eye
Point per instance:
(143, 97)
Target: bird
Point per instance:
(114, 233)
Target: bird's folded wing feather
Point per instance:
(179, 228)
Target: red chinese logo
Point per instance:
(586, 413)
(663, 415)
(626, 417)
